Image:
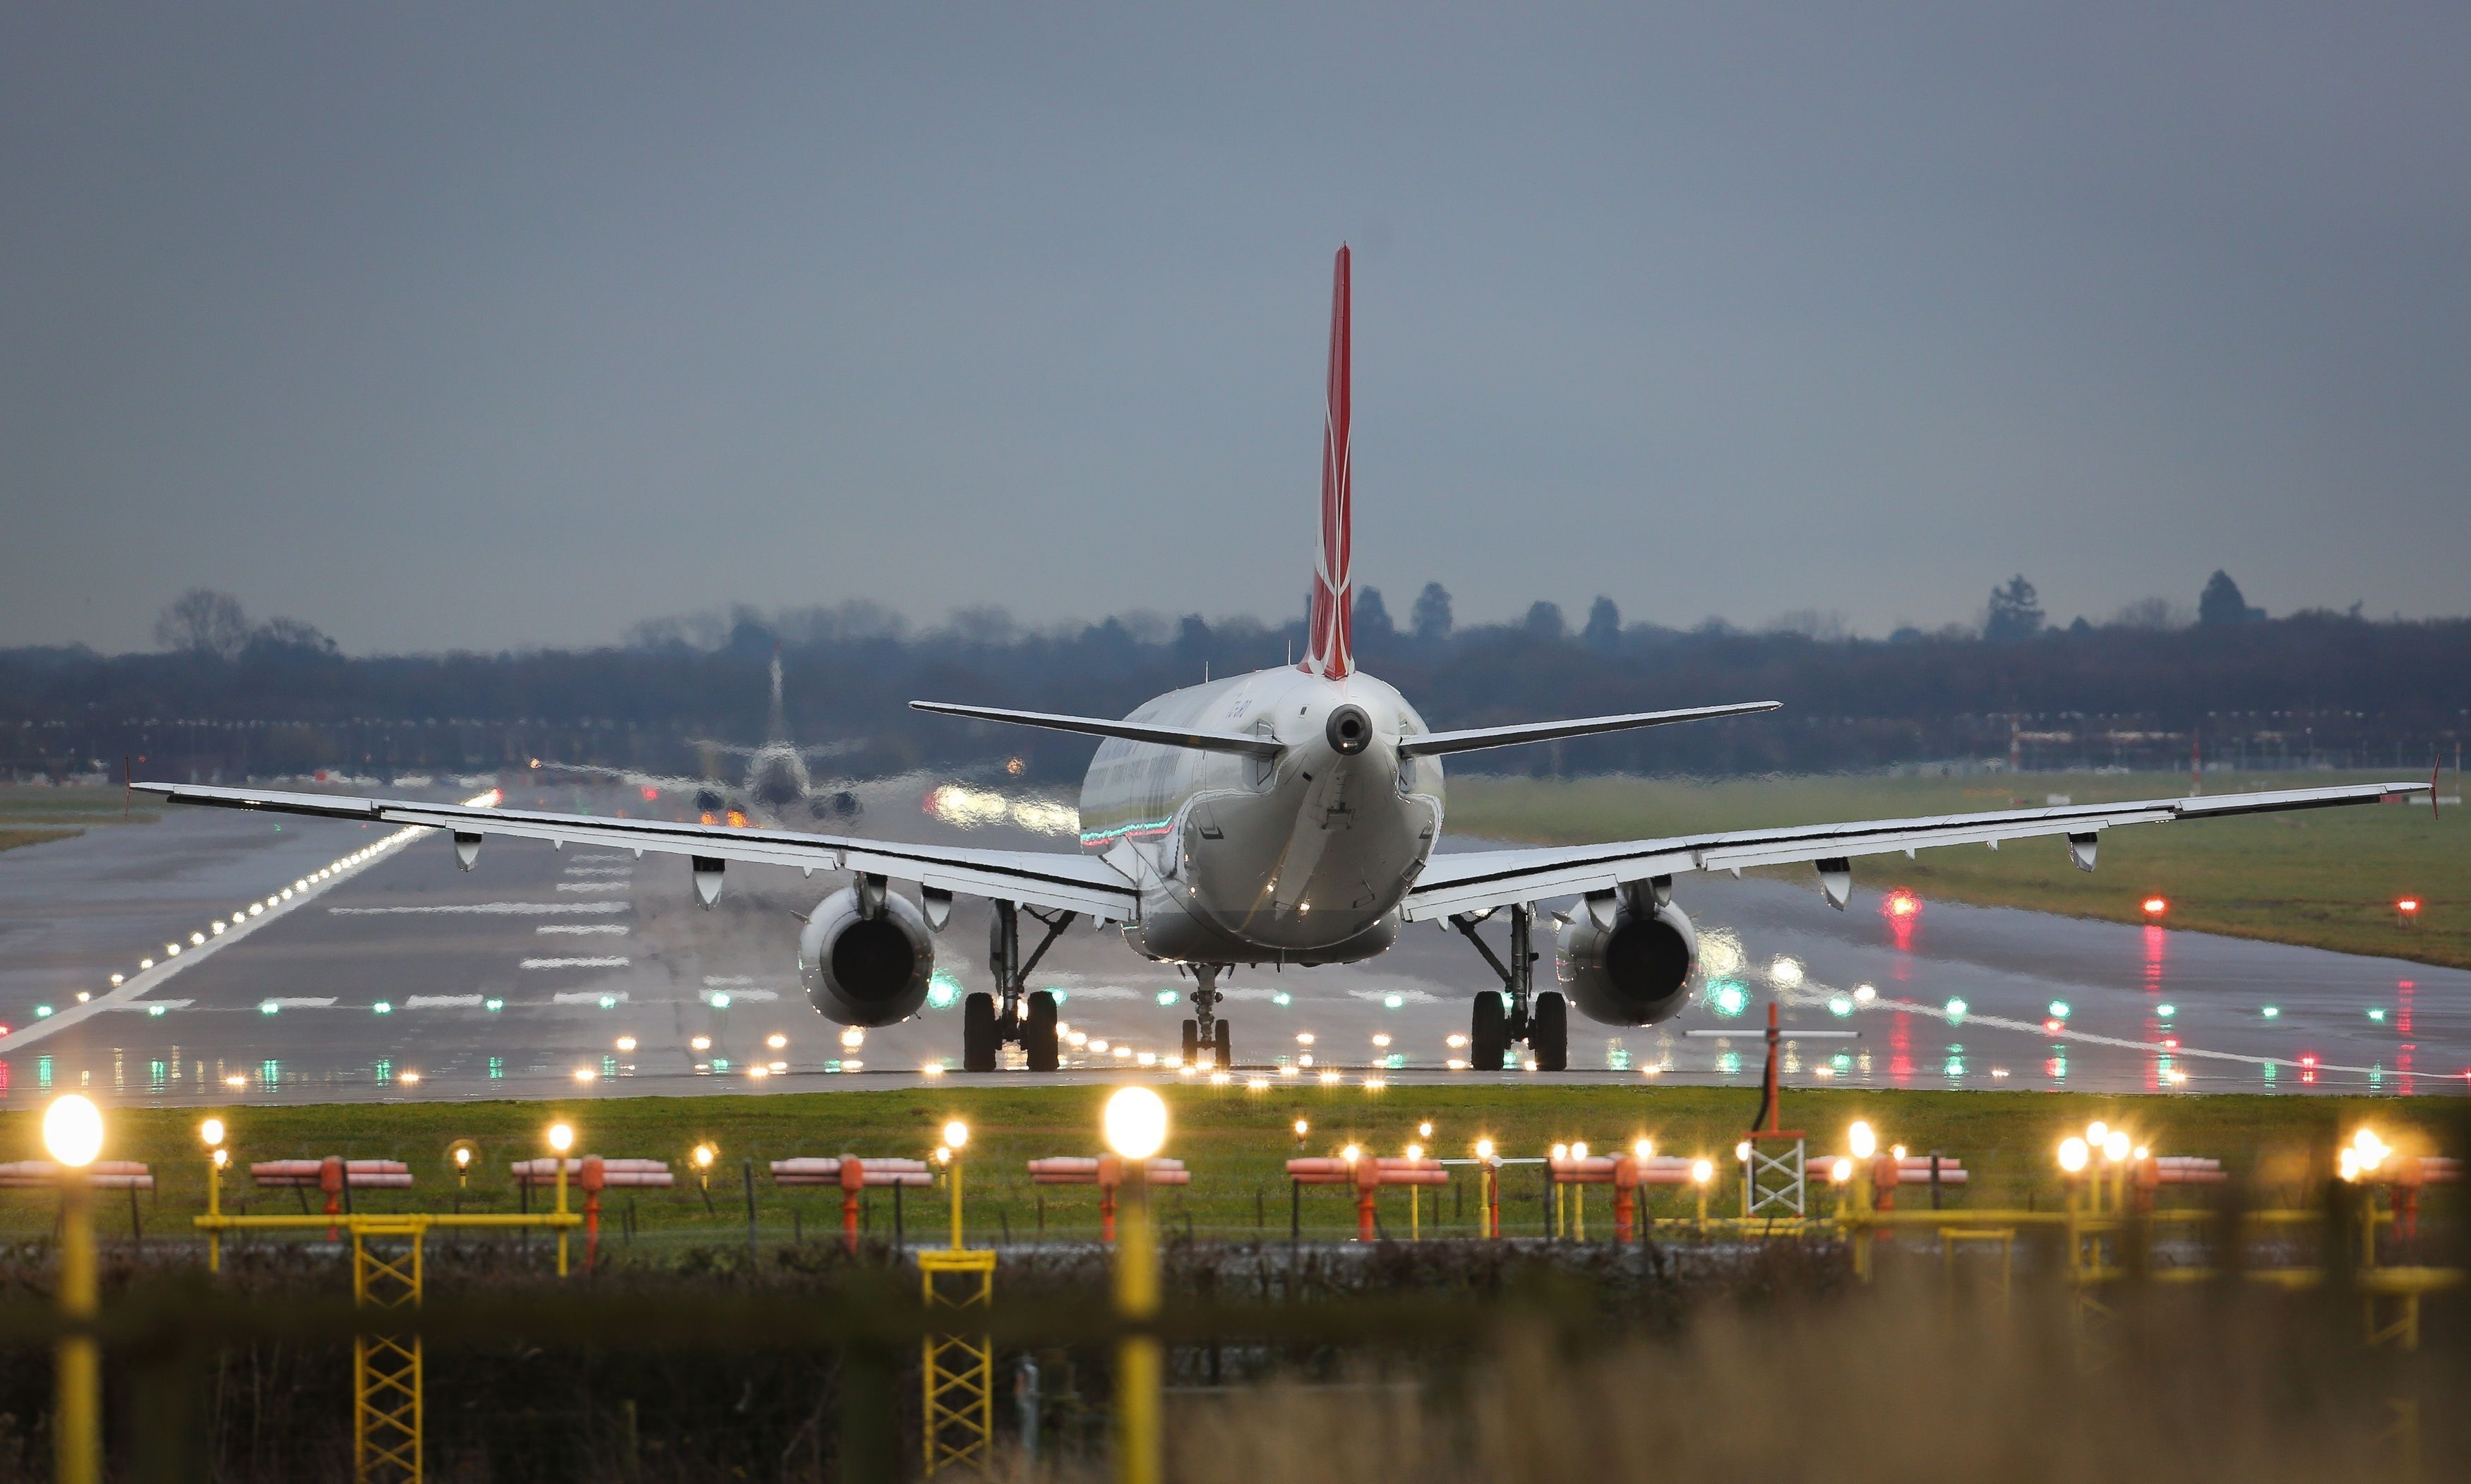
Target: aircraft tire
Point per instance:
(1548, 1035)
(1039, 1035)
(1222, 1049)
(979, 1033)
(1192, 1044)
(1488, 1033)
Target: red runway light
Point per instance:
(2407, 904)
(2155, 906)
(650, 794)
(1900, 902)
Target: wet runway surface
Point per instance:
(590, 972)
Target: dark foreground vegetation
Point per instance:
(724, 1353)
(2316, 688)
(1447, 1361)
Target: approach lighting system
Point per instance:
(957, 1134)
(1561, 1151)
(1484, 1148)
(1701, 1172)
(1579, 1150)
(2115, 1147)
(703, 1156)
(1742, 1152)
(1303, 1127)
(561, 1136)
(1351, 1154)
(1861, 1140)
(73, 1131)
(211, 1132)
(1840, 1170)
(1643, 1149)
(2072, 1155)
(1135, 1122)
(1425, 1130)
(2362, 1157)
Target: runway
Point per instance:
(592, 972)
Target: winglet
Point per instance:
(1333, 653)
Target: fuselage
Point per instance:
(1299, 858)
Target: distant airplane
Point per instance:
(1284, 816)
(777, 788)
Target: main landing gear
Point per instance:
(1206, 1031)
(1517, 1013)
(1021, 1018)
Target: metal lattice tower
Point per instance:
(385, 1367)
(1774, 1186)
(959, 1370)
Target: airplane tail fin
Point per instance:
(1332, 651)
(776, 722)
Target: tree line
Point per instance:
(230, 697)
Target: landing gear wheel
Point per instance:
(979, 1033)
(1038, 1037)
(1548, 1032)
(1192, 1044)
(1489, 1034)
(1222, 1048)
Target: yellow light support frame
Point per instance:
(387, 1376)
(959, 1370)
(386, 1369)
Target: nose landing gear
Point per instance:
(1206, 1032)
(1022, 1018)
(1517, 1013)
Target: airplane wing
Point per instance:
(1475, 880)
(1436, 743)
(1068, 882)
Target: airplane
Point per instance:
(1284, 816)
(777, 779)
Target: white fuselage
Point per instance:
(1301, 859)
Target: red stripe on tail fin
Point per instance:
(1333, 653)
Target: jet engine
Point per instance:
(866, 956)
(1626, 959)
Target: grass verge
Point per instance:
(2321, 879)
(1235, 1143)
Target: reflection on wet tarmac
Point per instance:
(508, 981)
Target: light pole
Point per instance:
(561, 1137)
(211, 1132)
(957, 1134)
(1488, 1209)
(1136, 1127)
(1579, 1197)
(1415, 1153)
(73, 1134)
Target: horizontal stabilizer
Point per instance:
(1434, 743)
(1127, 731)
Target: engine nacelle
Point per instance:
(865, 957)
(1635, 971)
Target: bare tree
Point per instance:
(203, 621)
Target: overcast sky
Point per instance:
(482, 326)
